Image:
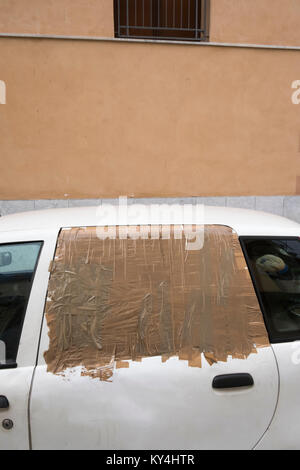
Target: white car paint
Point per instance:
(243, 221)
(15, 384)
(79, 412)
(154, 405)
(284, 432)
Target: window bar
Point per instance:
(119, 19)
(158, 14)
(205, 22)
(166, 25)
(200, 18)
(181, 13)
(127, 17)
(174, 14)
(196, 22)
(189, 13)
(143, 12)
(151, 13)
(135, 13)
(169, 29)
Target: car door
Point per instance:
(146, 345)
(24, 261)
(274, 263)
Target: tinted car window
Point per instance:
(17, 266)
(274, 264)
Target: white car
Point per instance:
(149, 336)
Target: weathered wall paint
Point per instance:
(256, 21)
(60, 17)
(102, 119)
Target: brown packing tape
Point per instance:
(122, 365)
(115, 300)
(50, 269)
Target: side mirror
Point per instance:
(5, 258)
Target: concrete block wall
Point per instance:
(287, 206)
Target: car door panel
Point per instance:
(284, 431)
(154, 405)
(274, 262)
(15, 383)
(127, 396)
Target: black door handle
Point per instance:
(233, 381)
(4, 403)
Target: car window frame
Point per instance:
(272, 337)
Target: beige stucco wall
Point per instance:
(103, 119)
(255, 21)
(237, 21)
(59, 17)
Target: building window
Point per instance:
(184, 20)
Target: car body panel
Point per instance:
(284, 431)
(15, 384)
(154, 405)
(81, 412)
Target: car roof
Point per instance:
(243, 221)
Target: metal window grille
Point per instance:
(162, 19)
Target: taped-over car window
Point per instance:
(116, 299)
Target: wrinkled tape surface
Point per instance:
(115, 300)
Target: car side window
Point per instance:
(17, 267)
(274, 264)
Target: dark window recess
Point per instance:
(17, 267)
(274, 264)
(185, 20)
